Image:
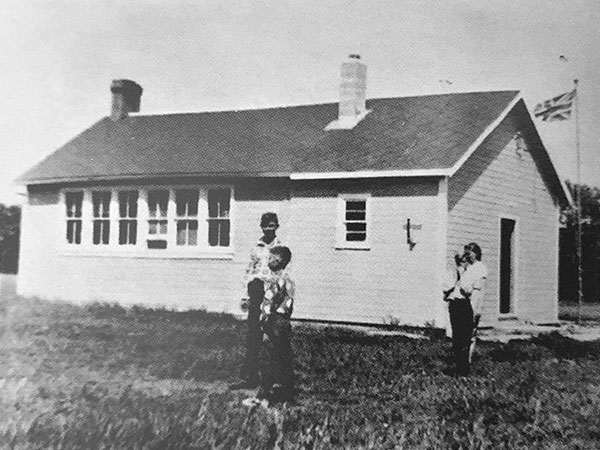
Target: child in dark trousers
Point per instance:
(256, 274)
(277, 374)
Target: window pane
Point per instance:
(70, 231)
(105, 231)
(101, 202)
(158, 202)
(128, 204)
(133, 204)
(157, 227)
(74, 231)
(123, 231)
(97, 232)
(193, 232)
(123, 204)
(187, 203)
(157, 244)
(181, 232)
(352, 215)
(78, 225)
(133, 232)
(101, 232)
(163, 226)
(73, 202)
(218, 202)
(356, 205)
(218, 233)
(127, 232)
(356, 226)
(356, 237)
(187, 232)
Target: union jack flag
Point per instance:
(557, 108)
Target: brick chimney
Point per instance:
(353, 94)
(126, 95)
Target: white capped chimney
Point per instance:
(126, 96)
(353, 94)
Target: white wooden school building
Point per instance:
(374, 197)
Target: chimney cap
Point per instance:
(121, 84)
(126, 95)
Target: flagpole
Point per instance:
(578, 206)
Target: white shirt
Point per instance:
(470, 277)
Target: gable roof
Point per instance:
(408, 136)
(426, 133)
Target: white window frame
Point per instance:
(126, 221)
(71, 217)
(185, 218)
(103, 221)
(341, 230)
(140, 249)
(155, 240)
(220, 218)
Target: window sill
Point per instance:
(507, 317)
(348, 247)
(226, 254)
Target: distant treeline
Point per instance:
(10, 222)
(590, 245)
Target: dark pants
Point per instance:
(278, 359)
(461, 320)
(256, 292)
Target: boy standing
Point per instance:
(277, 381)
(256, 274)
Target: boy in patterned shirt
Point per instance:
(277, 381)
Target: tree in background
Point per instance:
(590, 245)
(10, 222)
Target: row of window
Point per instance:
(189, 217)
(160, 219)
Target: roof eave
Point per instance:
(440, 172)
(416, 173)
(118, 177)
(489, 129)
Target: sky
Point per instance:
(59, 57)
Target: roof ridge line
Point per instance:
(307, 105)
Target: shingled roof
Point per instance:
(424, 133)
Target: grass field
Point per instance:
(104, 377)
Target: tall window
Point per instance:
(218, 217)
(128, 217)
(158, 225)
(74, 202)
(157, 221)
(356, 220)
(187, 216)
(101, 220)
(353, 221)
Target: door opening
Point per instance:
(507, 263)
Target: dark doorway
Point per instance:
(507, 262)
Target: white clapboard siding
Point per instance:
(388, 282)
(46, 270)
(499, 181)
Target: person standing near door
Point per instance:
(465, 305)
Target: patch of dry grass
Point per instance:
(105, 377)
